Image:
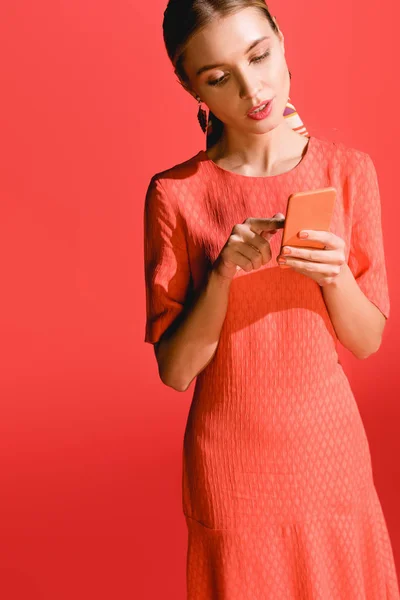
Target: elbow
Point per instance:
(372, 338)
(178, 387)
(165, 371)
(172, 382)
(364, 355)
(374, 347)
(361, 356)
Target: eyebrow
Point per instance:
(208, 67)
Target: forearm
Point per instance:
(185, 353)
(357, 321)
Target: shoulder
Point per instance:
(347, 162)
(177, 183)
(342, 153)
(170, 188)
(180, 171)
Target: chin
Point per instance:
(264, 126)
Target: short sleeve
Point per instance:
(367, 257)
(166, 262)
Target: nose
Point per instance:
(250, 87)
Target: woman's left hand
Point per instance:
(323, 265)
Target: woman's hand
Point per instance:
(322, 265)
(248, 246)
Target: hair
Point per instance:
(184, 18)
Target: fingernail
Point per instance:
(303, 234)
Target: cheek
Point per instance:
(224, 106)
(279, 80)
(280, 71)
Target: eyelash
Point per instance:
(256, 60)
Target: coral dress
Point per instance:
(278, 489)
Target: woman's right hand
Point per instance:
(248, 246)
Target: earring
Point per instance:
(290, 75)
(202, 116)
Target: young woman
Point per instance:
(278, 490)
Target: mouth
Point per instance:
(258, 108)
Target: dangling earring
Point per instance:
(202, 116)
(290, 75)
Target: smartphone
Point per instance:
(308, 210)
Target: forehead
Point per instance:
(227, 37)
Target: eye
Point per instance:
(260, 58)
(257, 59)
(217, 81)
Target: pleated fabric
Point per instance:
(277, 481)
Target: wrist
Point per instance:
(218, 279)
(339, 279)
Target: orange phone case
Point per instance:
(308, 210)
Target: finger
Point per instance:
(260, 243)
(244, 261)
(306, 266)
(258, 255)
(329, 239)
(311, 254)
(259, 224)
(267, 235)
(256, 250)
(243, 234)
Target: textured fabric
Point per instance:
(278, 489)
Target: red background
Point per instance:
(90, 439)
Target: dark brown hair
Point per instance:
(184, 18)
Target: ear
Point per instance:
(188, 89)
(192, 93)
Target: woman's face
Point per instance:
(243, 78)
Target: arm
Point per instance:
(358, 301)
(182, 355)
(185, 333)
(358, 323)
(356, 295)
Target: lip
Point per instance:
(258, 106)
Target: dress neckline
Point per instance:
(297, 168)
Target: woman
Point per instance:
(278, 489)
